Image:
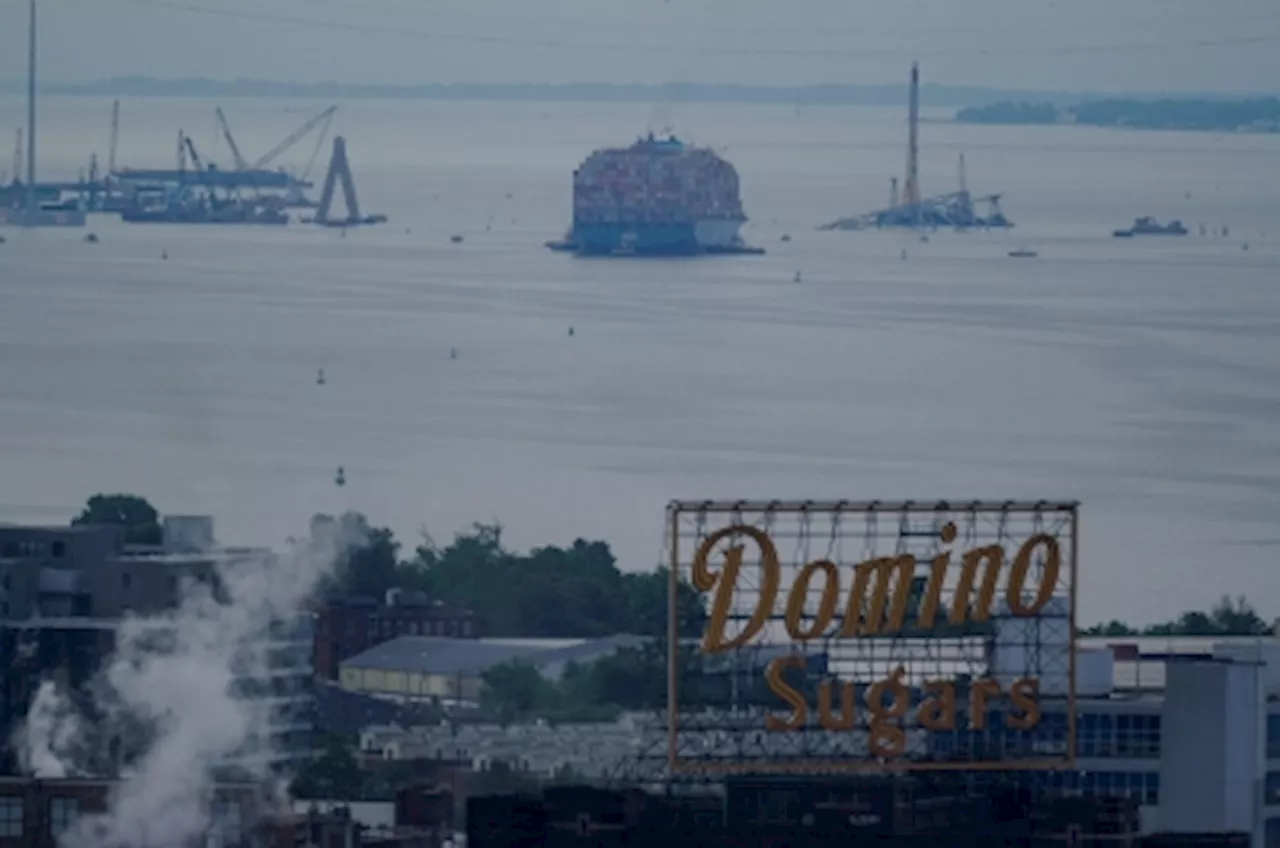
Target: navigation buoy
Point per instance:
(904, 253)
(91, 238)
(453, 353)
(320, 377)
(164, 254)
(341, 479)
(570, 331)
(797, 279)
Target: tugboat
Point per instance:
(1148, 226)
(1023, 253)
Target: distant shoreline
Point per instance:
(1244, 115)
(931, 94)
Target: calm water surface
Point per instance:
(1141, 377)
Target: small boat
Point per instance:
(1023, 253)
(1148, 226)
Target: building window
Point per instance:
(10, 817)
(5, 581)
(59, 549)
(1273, 736)
(1087, 736)
(1097, 736)
(63, 813)
(10, 550)
(1137, 736)
(1151, 788)
(126, 580)
(1273, 833)
(1272, 793)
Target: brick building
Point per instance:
(34, 812)
(345, 627)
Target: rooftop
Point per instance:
(442, 655)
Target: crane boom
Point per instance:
(241, 164)
(292, 139)
(115, 137)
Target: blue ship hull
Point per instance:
(667, 238)
(673, 239)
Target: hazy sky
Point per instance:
(1187, 45)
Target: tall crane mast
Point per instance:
(911, 186)
(17, 156)
(115, 138)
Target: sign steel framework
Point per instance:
(849, 636)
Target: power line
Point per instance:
(850, 53)
(811, 29)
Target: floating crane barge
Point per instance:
(958, 209)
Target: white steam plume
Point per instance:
(171, 678)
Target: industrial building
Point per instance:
(1188, 728)
(346, 627)
(65, 591)
(453, 669)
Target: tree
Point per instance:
(334, 774)
(513, 689)
(368, 563)
(647, 595)
(1226, 618)
(1111, 628)
(631, 679)
(134, 513)
(551, 592)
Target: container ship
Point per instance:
(657, 197)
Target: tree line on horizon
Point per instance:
(575, 591)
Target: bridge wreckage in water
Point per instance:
(955, 209)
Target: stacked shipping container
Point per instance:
(655, 192)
